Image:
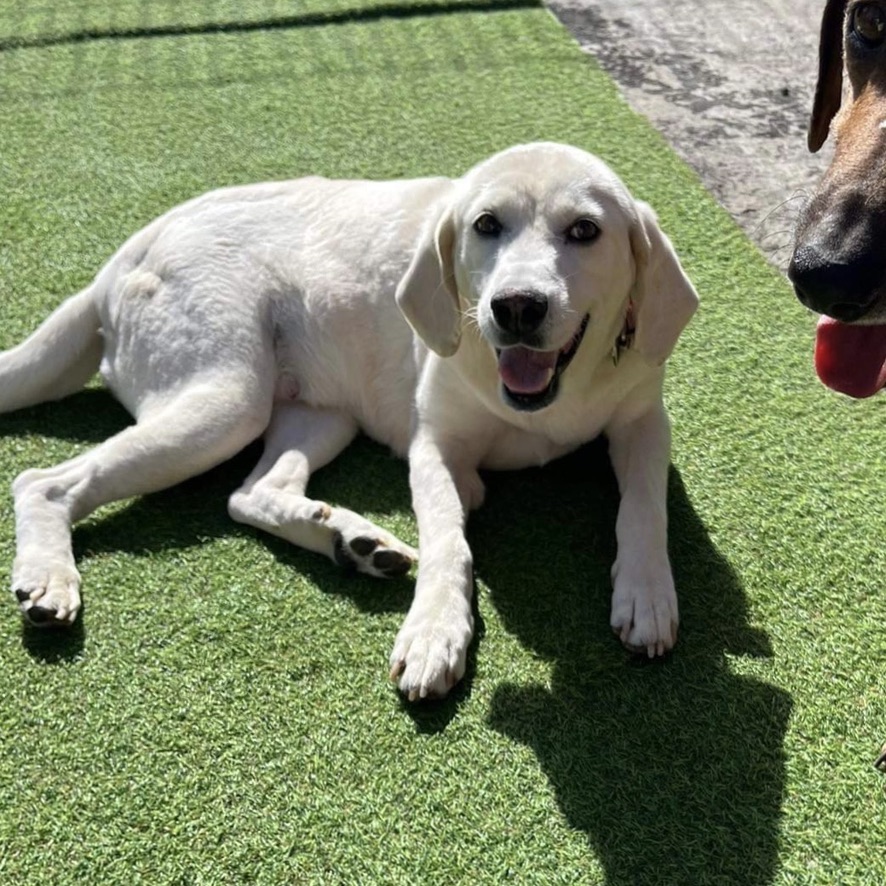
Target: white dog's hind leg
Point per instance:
(644, 601)
(190, 433)
(299, 441)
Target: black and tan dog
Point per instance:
(839, 263)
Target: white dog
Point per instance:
(541, 301)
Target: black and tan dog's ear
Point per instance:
(428, 293)
(829, 88)
(664, 298)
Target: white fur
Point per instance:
(270, 310)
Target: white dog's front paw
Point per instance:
(644, 613)
(430, 652)
(47, 596)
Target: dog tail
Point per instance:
(57, 359)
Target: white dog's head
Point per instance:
(545, 249)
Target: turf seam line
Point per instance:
(307, 20)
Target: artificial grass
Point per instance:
(221, 715)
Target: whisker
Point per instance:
(471, 318)
(797, 195)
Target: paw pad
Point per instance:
(372, 555)
(363, 546)
(391, 563)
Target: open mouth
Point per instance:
(850, 358)
(530, 378)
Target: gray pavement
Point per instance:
(729, 83)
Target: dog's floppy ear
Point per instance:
(428, 293)
(829, 89)
(664, 299)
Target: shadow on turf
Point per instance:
(54, 646)
(304, 20)
(366, 478)
(674, 769)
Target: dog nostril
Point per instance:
(839, 288)
(532, 314)
(519, 314)
(503, 312)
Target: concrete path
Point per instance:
(729, 83)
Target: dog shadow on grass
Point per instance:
(674, 768)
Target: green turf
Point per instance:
(221, 714)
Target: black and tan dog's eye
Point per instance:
(869, 23)
(583, 231)
(487, 225)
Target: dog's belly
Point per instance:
(360, 359)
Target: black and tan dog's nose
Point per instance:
(519, 313)
(839, 286)
(837, 267)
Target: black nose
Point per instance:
(841, 288)
(519, 313)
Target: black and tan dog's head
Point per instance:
(839, 263)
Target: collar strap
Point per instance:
(625, 338)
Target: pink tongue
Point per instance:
(524, 371)
(851, 359)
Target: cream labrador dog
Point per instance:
(499, 320)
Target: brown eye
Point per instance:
(869, 23)
(487, 225)
(582, 231)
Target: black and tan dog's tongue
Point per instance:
(525, 371)
(851, 359)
